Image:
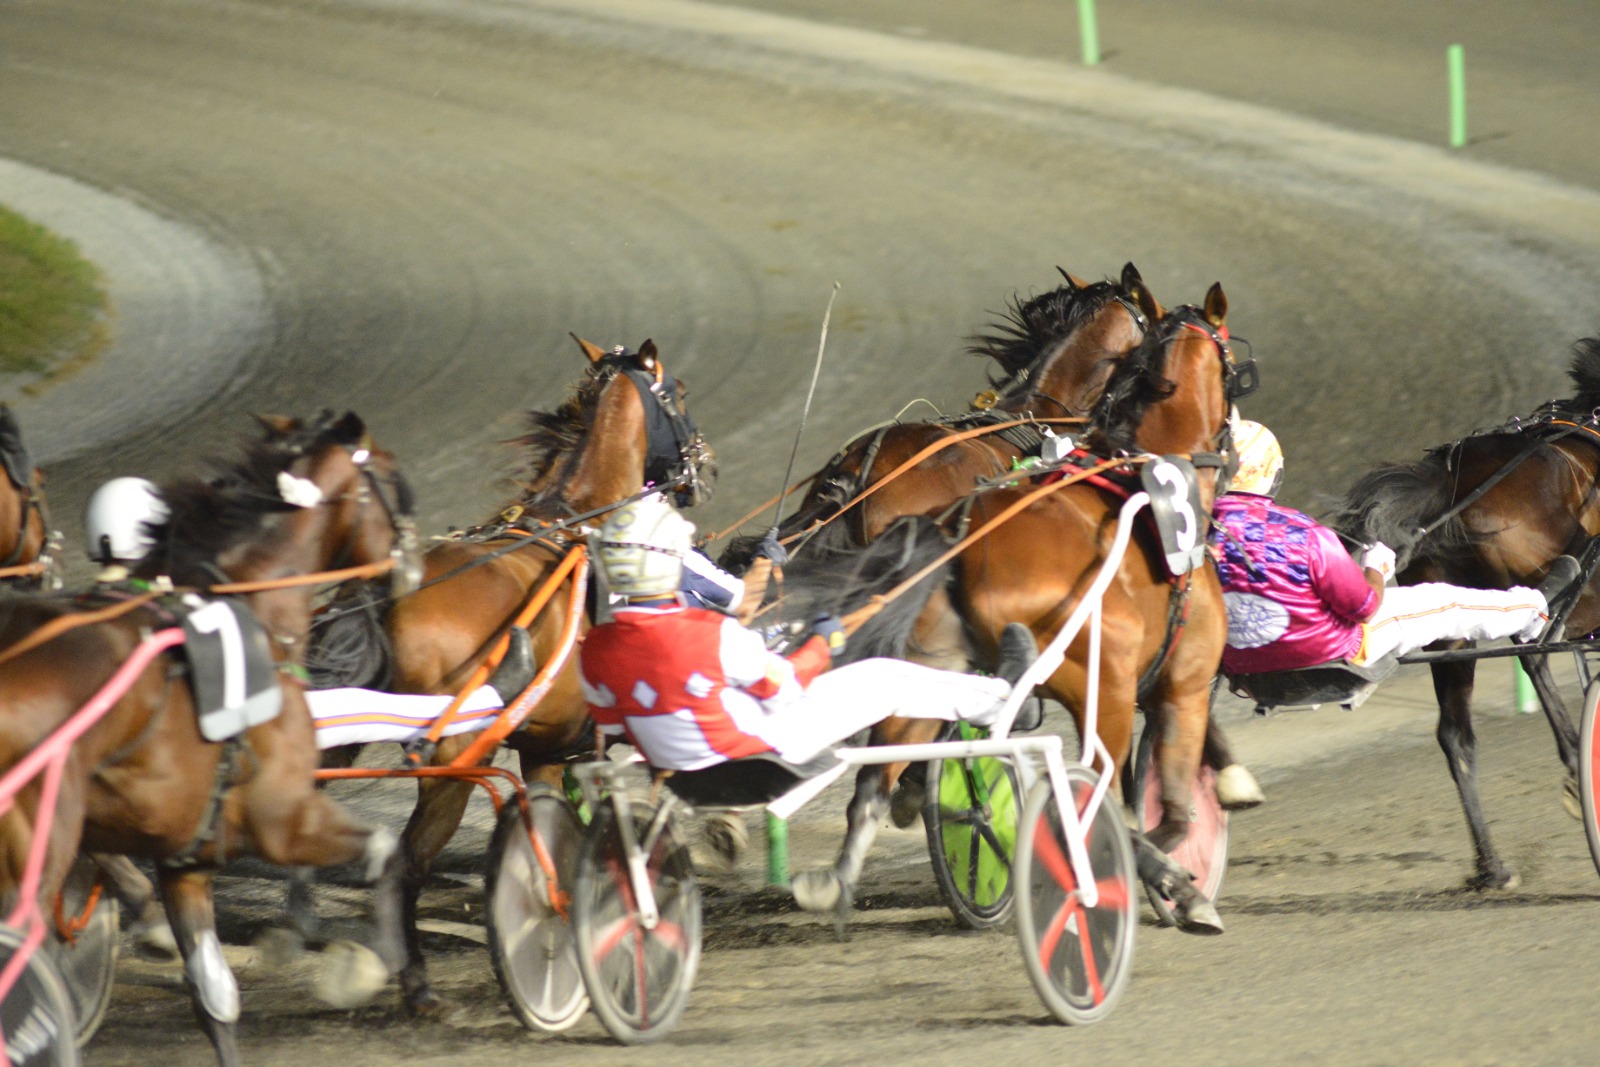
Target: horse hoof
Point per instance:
(1237, 788)
(152, 939)
(905, 806)
(349, 975)
(817, 890)
(1570, 798)
(277, 947)
(727, 837)
(1198, 916)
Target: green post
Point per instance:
(1089, 33)
(1458, 96)
(1527, 697)
(777, 850)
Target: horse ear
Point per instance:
(1216, 306)
(278, 425)
(1072, 283)
(349, 430)
(647, 355)
(1133, 283)
(590, 349)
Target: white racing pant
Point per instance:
(842, 702)
(362, 716)
(1413, 616)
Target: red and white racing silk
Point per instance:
(690, 687)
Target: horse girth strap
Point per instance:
(212, 826)
(1177, 615)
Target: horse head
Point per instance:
(1061, 346)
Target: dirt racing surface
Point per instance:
(407, 204)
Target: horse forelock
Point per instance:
(1028, 330)
(1584, 370)
(1138, 381)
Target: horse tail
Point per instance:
(1399, 504)
(839, 579)
(348, 645)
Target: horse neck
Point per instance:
(610, 462)
(1192, 418)
(1075, 375)
(294, 545)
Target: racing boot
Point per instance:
(1018, 650)
(1559, 589)
(517, 667)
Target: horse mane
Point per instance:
(1584, 370)
(208, 516)
(1137, 382)
(555, 435)
(1028, 330)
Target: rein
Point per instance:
(1498, 476)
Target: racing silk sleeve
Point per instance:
(1338, 579)
(706, 585)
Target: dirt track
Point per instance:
(432, 194)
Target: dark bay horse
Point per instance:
(27, 544)
(1163, 636)
(624, 428)
(143, 780)
(1490, 511)
(1055, 351)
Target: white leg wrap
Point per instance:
(380, 846)
(213, 982)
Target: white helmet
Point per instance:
(1260, 459)
(642, 546)
(117, 518)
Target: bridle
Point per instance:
(1017, 387)
(676, 453)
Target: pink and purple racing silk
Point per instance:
(1295, 597)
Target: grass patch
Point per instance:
(52, 306)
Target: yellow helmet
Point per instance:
(1260, 459)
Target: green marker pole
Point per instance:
(1527, 698)
(1089, 32)
(777, 850)
(1458, 95)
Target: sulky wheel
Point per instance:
(1589, 769)
(971, 819)
(87, 962)
(1204, 853)
(36, 1015)
(639, 975)
(1078, 958)
(530, 936)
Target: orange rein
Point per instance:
(480, 673)
(937, 446)
(854, 620)
(24, 570)
(56, 627)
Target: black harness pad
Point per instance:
(230, 667)
(14, 455)
(1177, 512)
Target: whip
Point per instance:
(805, 412)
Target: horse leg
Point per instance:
(441, 803)
(1237, 788)
(212, 986)
(300, 902)
(1555, 712)
(1181, 709)
(137, 894)
(1452, 685)
(833, 889)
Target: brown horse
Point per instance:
(144, 780)
(625, 428)
(1055, 350)
(1490, 511)
(1163, 635)
(27, 544)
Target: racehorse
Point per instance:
(625, 428)
(26, 541)
(1055, 351)
(144, 780)
(1163, 635)
(1492, 510)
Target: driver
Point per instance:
(691, 688)
(1297, 599)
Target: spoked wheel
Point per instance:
(1079, 958)
(1204, 853)
(87, 964)
(639, 974)
(971, 819)
(36, 1015)
(1589, 769)
(530, 937)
